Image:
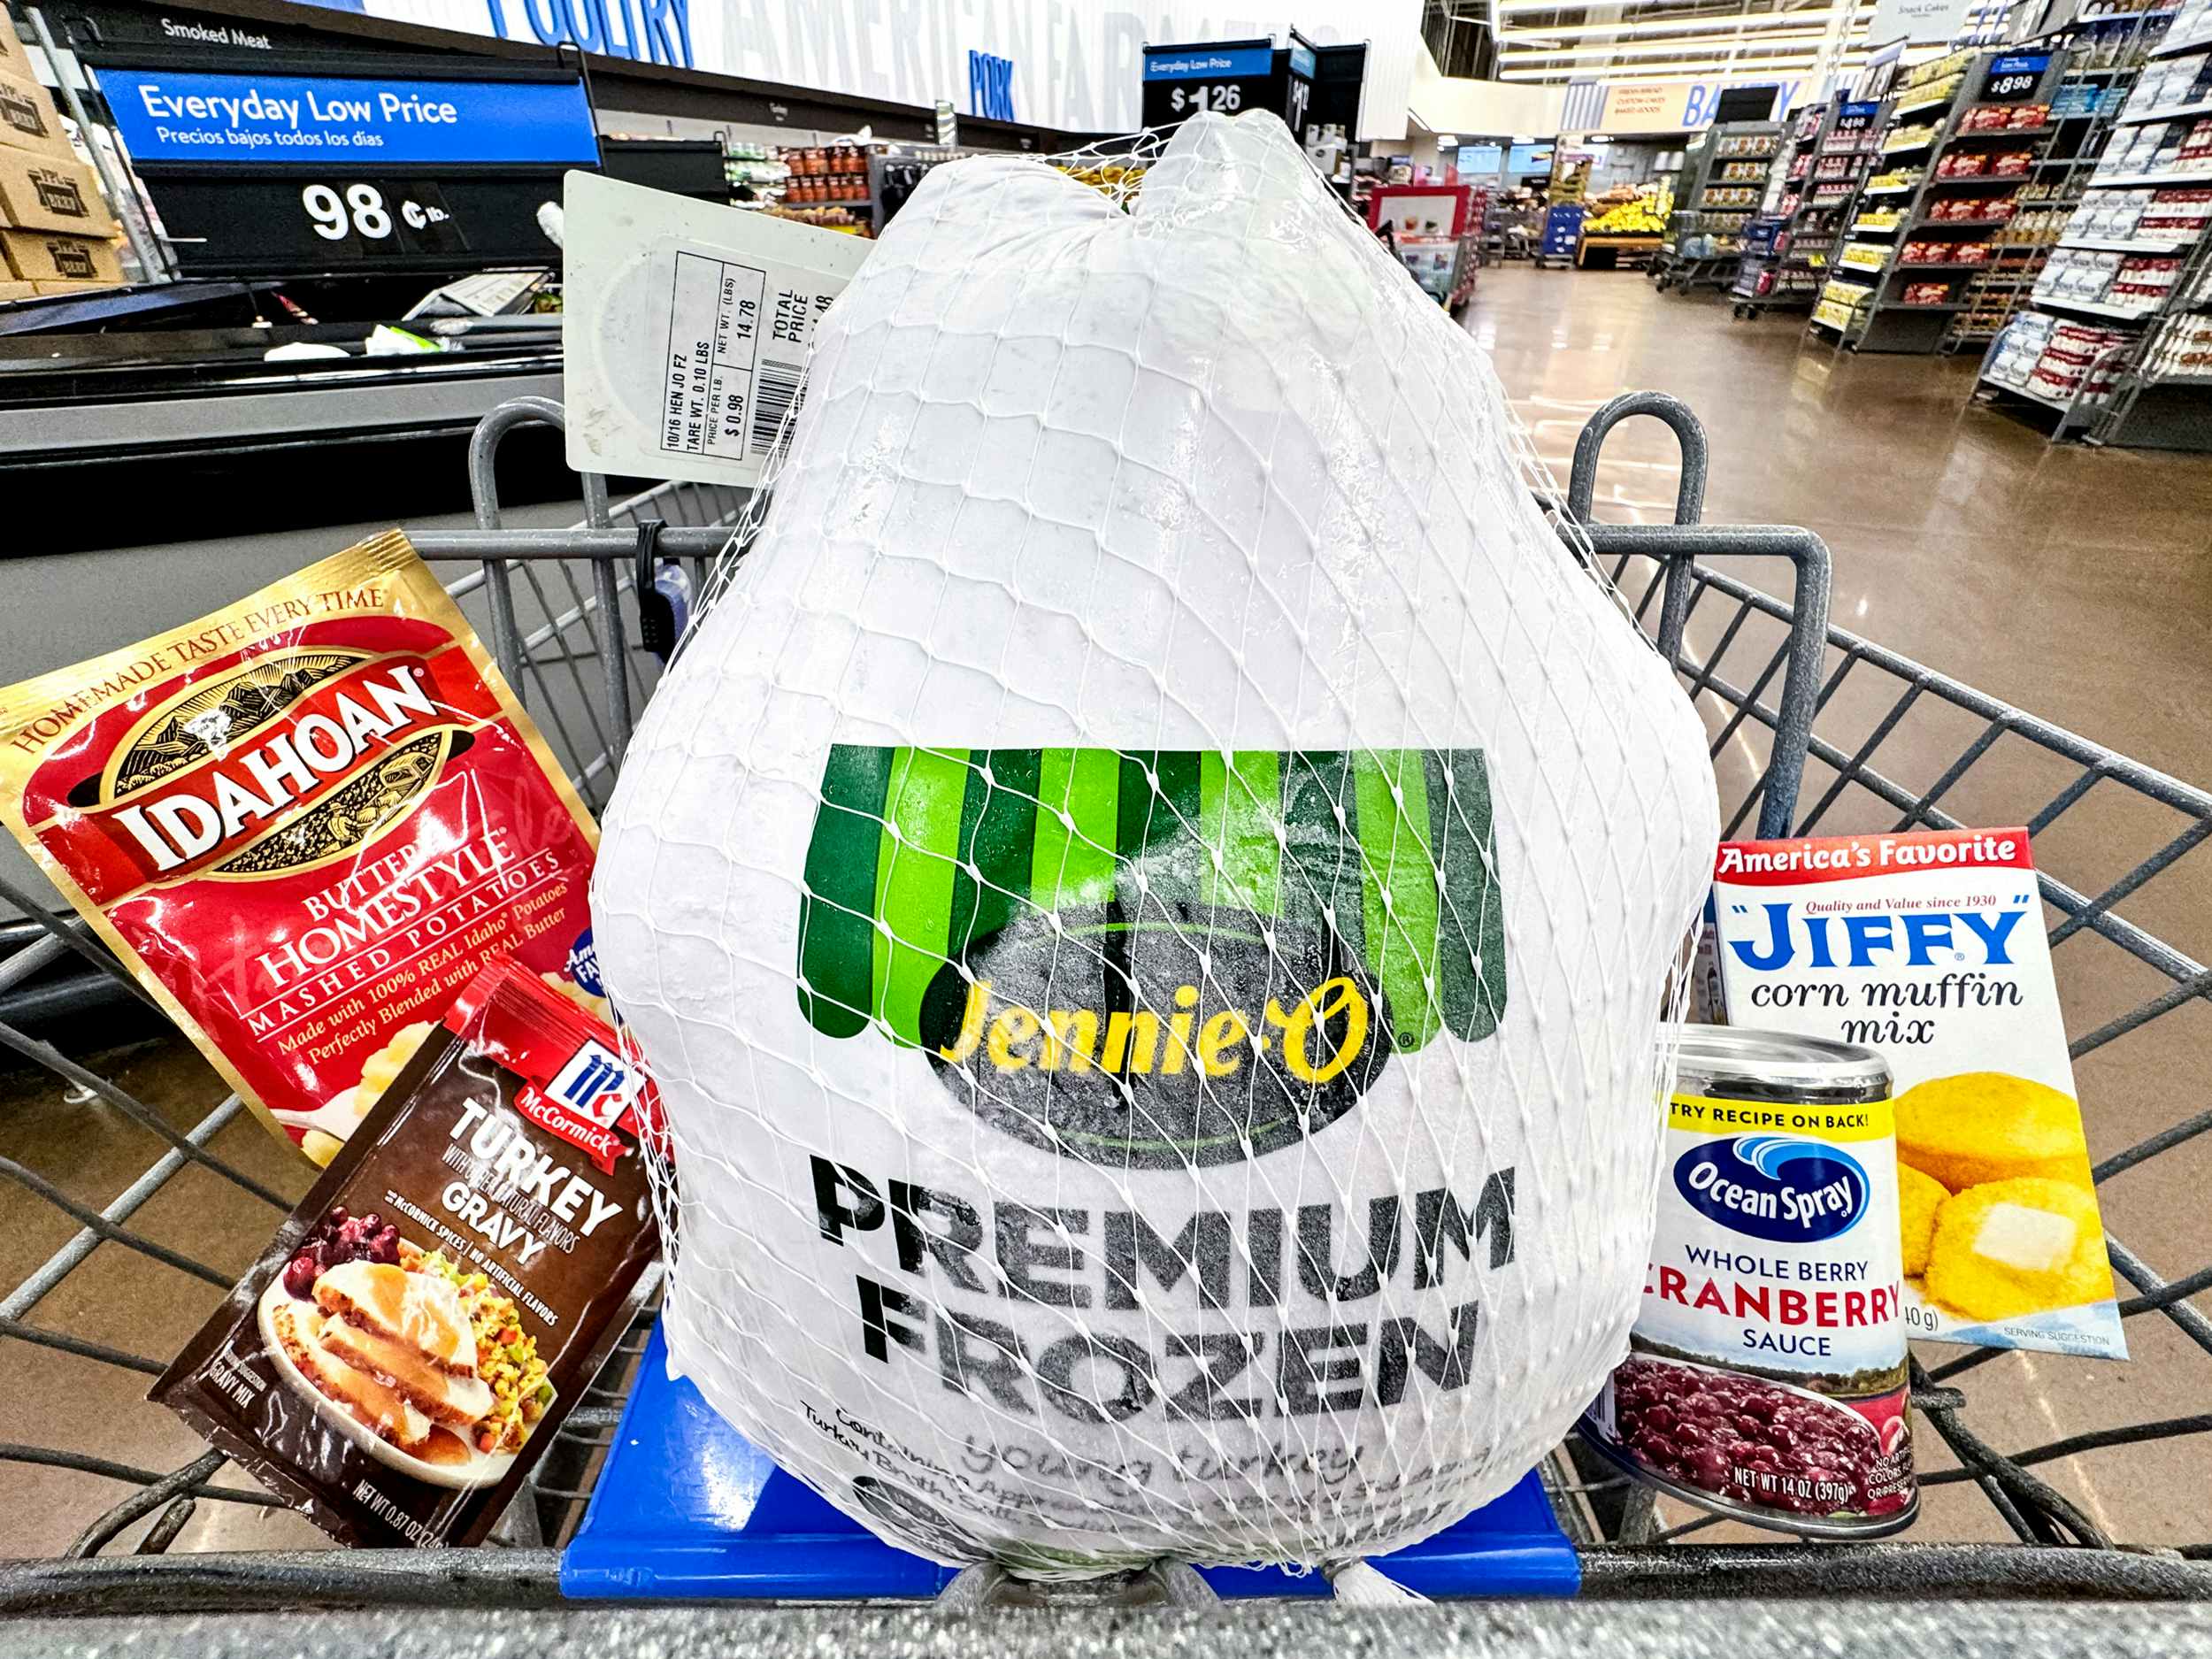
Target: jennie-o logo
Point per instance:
(292, 760)
(1154, 958)
(1774, 1187)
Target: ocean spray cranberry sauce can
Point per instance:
(1766, 1376)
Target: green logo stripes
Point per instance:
(920, 858)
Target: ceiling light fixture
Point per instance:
(1661, 48)
(1755, 22)
(1749, 73)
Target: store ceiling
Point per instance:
(1544, 41)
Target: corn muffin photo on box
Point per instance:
(1928, 947)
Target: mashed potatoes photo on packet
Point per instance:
(1928, 947)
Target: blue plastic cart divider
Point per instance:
(686, 1506)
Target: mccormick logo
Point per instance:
(1774, 1187)
(584, 1103)
(292, 759)
(590, 1084)
(1149, 958)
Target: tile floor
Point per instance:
(2076, 583)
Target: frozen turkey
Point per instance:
(1149, 898)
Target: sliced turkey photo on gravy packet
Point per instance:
(1928, 947)
(403, 1350)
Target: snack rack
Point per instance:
(1723, 175)
(2105, 54)
(1814, 729)
(1784, 246)
(1958, 147)
(2116, 338)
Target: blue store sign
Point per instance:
(167, 116)
(1209, 63)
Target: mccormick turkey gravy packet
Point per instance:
(1927, 947)
(303, 821)
(405, 1349)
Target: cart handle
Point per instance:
(1678, 547)
(1689, 498)
(506, 633)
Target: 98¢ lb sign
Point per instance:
(280, 173)
(242, 226)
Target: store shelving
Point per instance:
(2106, 46)
(821, 184)
(1785, 247)
(2113, 335)
(2101, 244)
(2203, 106)
(2169, 179)
(1718, 191)
(1961, 138)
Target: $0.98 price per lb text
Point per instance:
(360, 209)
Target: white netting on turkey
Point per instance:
(1149, 896)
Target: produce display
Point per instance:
(1135, 924)
(1637, 217)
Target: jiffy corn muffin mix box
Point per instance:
(1928, 947)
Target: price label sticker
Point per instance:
(687, 328)
(227, 224)
(1226, 99)
(2013, 79)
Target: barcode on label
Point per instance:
(775, 390)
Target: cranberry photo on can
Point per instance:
(1766, 1380)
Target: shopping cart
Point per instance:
(1812, 729)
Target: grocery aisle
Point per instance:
(2075, 583)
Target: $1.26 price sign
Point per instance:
(1223, 78)
(1226, 99)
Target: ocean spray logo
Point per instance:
(1777, 1187)
(1156, 958)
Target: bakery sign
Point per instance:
(1676, 107)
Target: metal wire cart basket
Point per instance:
(1813, 730)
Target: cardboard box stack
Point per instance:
(57, 236)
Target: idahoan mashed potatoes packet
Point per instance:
(303, 821)
(1929, 947)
